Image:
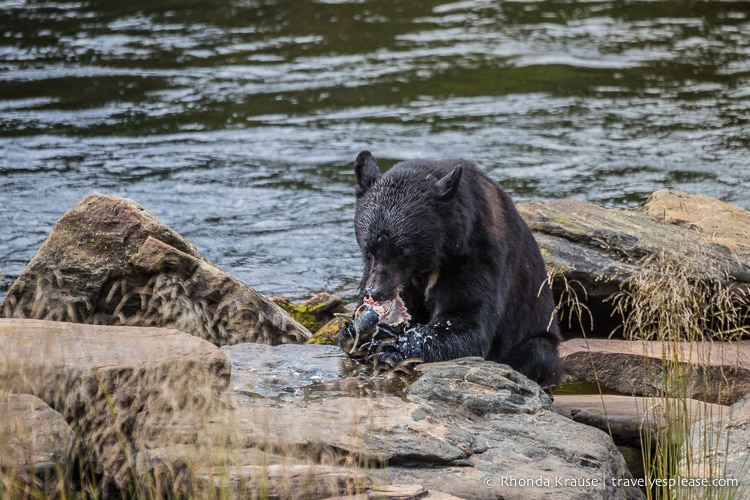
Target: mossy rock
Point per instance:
(315, 312)
(328, 334)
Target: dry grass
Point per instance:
(157, 432)
(170, 445)
(676, 302)
(204, 457)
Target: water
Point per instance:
(236, 121)
(293, 373)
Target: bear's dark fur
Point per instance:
(449, 242)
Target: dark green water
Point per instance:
(236, 122)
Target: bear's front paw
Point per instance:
(383, 348)
(388, 357)
(384, 337)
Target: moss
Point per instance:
(314, 313)
(565, 220)
(328, 334)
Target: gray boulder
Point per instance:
(155, 412)
(468, 428)
(110, 261)
(716, 458)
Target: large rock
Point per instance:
(36, 448)
(109, 261)
(715, 372)
(469, 428)
(152, 416)
(716, 455)
(594, 253)
(112, 384)
(719, 222)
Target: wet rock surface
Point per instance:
(261, 373)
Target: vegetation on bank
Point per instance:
(675, 301)
(678, 303)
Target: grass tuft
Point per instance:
(685, 307)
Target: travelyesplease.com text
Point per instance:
(598, 482)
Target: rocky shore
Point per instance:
(132, 366)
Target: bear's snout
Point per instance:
(380, 292)
(382, 283)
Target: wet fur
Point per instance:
(450, 242)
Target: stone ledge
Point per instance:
(716, 372)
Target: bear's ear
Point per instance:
(366, 170)
(448, 185)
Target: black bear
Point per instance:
(443, 241)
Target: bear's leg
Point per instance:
(537, 358)
(439, 341)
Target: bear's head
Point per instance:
(403, 221)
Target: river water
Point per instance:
(236, 121)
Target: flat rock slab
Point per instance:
(57, 345)
(110, 261)
(104, 379)
(730, 354)
(628, 418)
(36, 447)
(715, 372)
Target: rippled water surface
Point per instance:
(236, 122)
